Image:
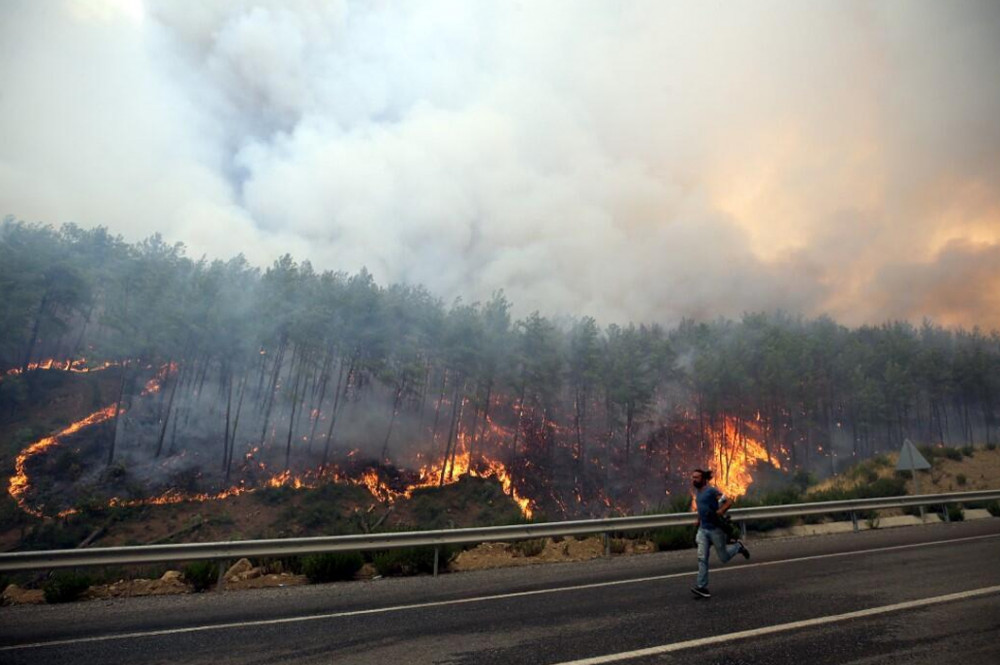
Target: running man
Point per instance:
(710, 531)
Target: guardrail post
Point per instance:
(437, 555)
(607, 543)
(743, 528)
(220, 581)
(854, 520)
(944, 512)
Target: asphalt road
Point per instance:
(925, 594)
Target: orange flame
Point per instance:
(734, 453)
(431, 475)
(19, 481)
(78, 366)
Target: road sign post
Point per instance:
(911, 460)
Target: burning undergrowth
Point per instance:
(166, 450)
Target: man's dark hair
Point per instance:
(706, 474)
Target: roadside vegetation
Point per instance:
(315, 511)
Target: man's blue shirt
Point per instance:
(707, 501)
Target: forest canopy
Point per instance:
(308, 368)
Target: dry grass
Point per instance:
(981, 472)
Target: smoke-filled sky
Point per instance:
(628, 160)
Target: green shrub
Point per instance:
(994, 508)
(618, 545)
(954, 512)
(881, 460)
(872, 519)
(968, 451)
(10, 514)
(332, 567)
(864, 471)
(781, 497)
(65, 586)
(528, 548)
(882, 487)
(273, 496)
(410, 560)
(58, 534)
(201, 574)
(991, 446)
(223, 519)
(954, 454)
(674, 538)
(288, 564)
(961, 479)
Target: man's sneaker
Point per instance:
(743, 549)
(701, 591)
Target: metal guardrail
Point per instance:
(118, 556)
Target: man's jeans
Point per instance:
(706, 538)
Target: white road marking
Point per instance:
(780, 628)
(464, 601)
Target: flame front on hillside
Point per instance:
(430, 475)
(19, 482)
(78, 366)
(735, 446)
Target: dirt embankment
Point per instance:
(500, 555)
(957, 473)
(979, 472)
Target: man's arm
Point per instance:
(724, 506)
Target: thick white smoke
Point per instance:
(641, 160)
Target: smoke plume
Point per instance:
(638, 161)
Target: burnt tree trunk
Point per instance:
(291, 418)
(79, 340)
(35, 328)
(166, 419)
(458, 435)
(451, 433)
(477, 442)
(236, 424)
(333, 414)
(437, 408)
(229, 409)
(118, 410)
(392, 420)
(324, 380)
(520, 414)
(272, 388)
